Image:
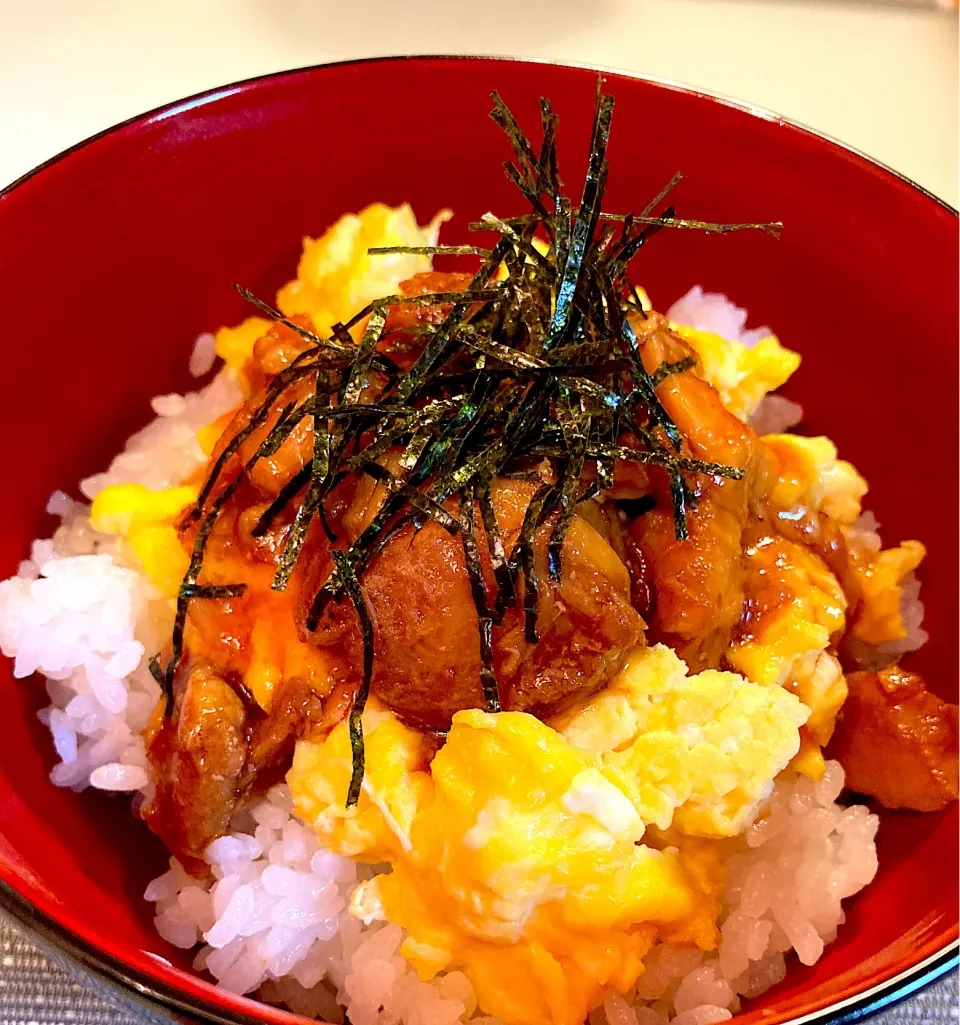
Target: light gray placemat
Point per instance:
(35, 992)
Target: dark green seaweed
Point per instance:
(666, 369)
(351, 585)
(485, 617)
(430, 250)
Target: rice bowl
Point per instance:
(107, 622)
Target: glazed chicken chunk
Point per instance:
(897, 741)
(213, 747)
(426, 636)
(697, 582)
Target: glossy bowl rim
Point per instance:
(215, 92)
(75, 947)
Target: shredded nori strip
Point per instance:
(187, 591)
(430, 250)
(666, 369)
(541, 362)
(471, 552)
(352, 586)
(524, 559)
(772, 228)
(498, 556)
(659, 197)
(678, 496)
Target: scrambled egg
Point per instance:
(699, 750)
(741, 375)
(396, 784)
(144, 519)
(234, 345)
(516, 852)
(795, 606)
(807, 473)
(879, 617)
(336, 277)
(818, 681)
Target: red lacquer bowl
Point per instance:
(116, 254)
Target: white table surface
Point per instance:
(881, 76)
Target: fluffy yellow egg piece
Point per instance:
(700, 751)
(145, 518)
(336, 277)
(396, 783)
(806, 472)
(879, 617)
(515, 858)
(798, 606)
(234, 345)
(742, 375)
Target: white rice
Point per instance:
(81, 617)
(80, 612)
(166, 451)
(776, 415)
(711, 311)
(783, 891)
(271, 919)
(204, 354)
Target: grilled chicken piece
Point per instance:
(295, 710)
(198, 756)
(400, 340)
(426, 640)
(213, 750)
(897, 741)
(697, 584)
(278, 349)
